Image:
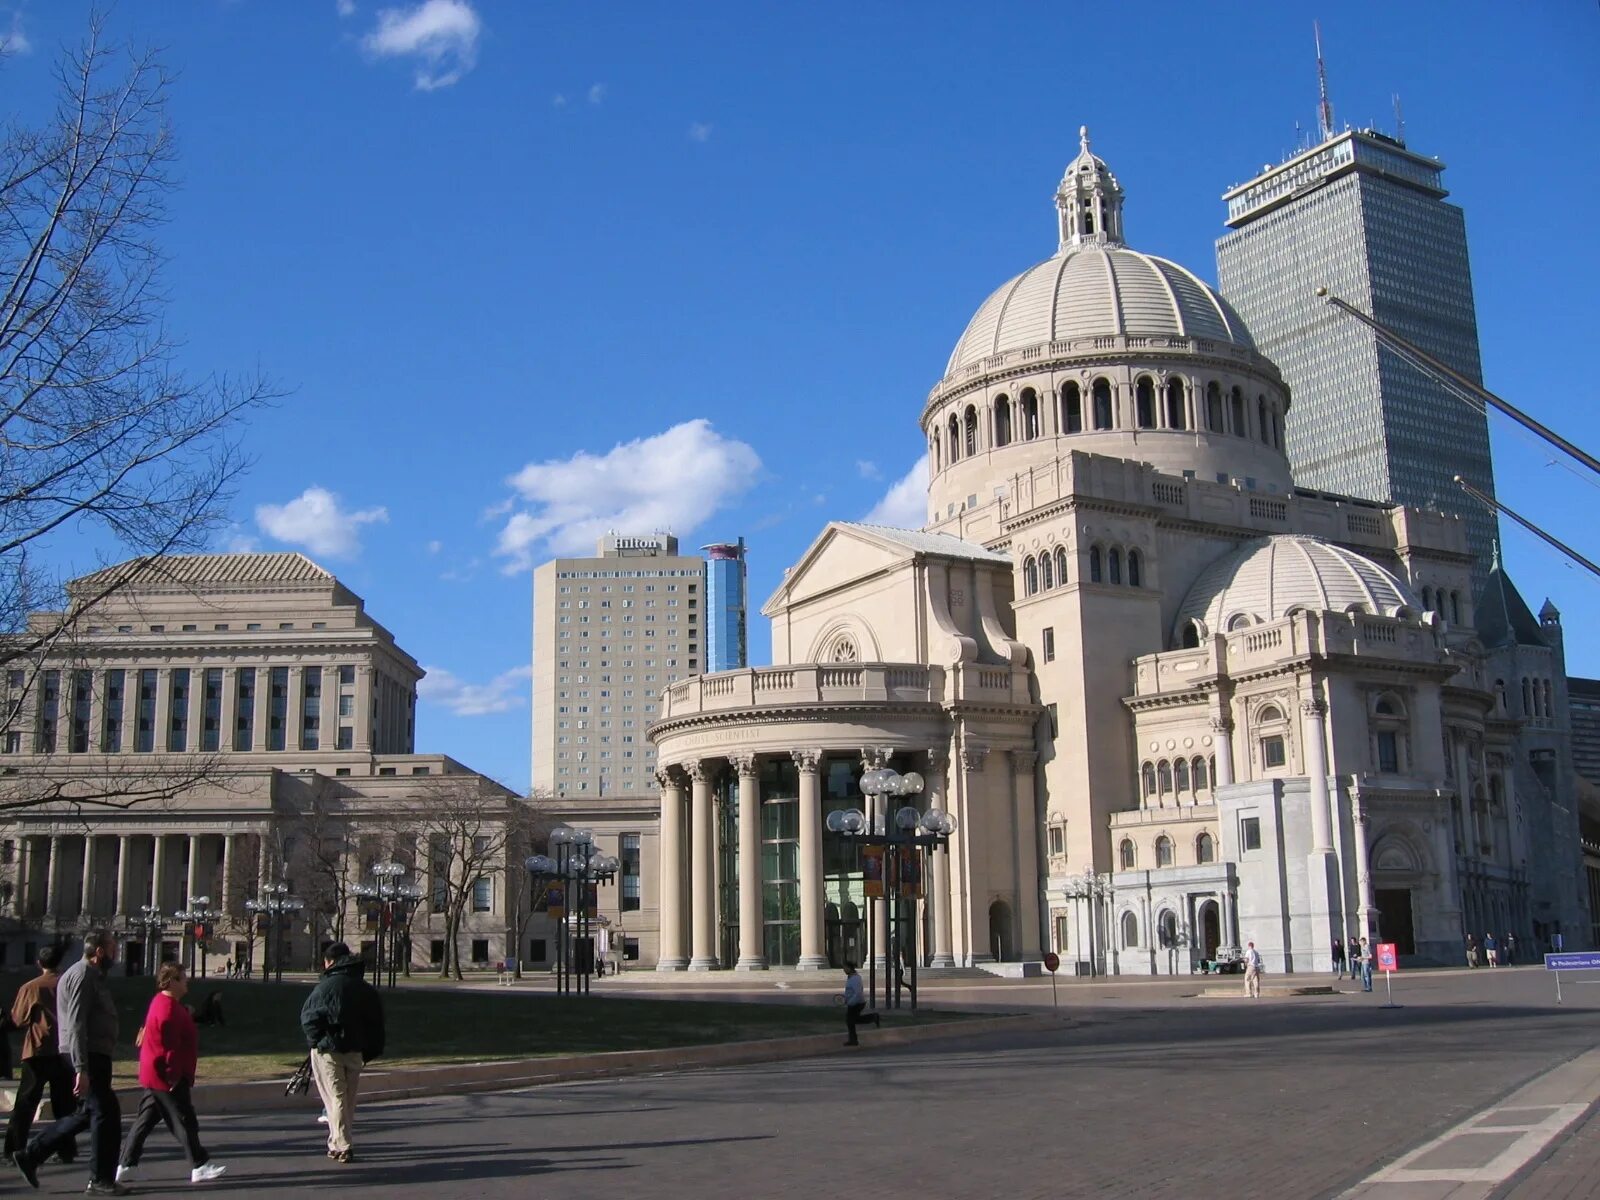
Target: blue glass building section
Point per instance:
(727, 646)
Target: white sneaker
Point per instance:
(322, 1118)
(206, 1171)
(127, 1174)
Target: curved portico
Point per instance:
(752, 761)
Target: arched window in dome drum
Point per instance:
(1214, 406)
(1455, 607)
(1148, 776)
(1240, 427)
(1264, 424)
(970, 443)
(1135, 572)
(1002, 421)
(1061, 566)
(1030, 577)
(933, 453)
(955, 439)
(1100, 393)
(1030, 414)
(1046, 572)
(1126, 856)
(1114, 565)
(1144, 403)
(1164, 777)
(1191, 637)
(1094, 564)
(1176, 416)
(1180, 775)
(1071, 409)
(1427, 599)
(1199, 773)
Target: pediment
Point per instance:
(838, 558)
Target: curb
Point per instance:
(463, 1078)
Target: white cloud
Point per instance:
(16, 41)
(506, 691)
(597, 93)
(313, 519)
(435, 546)
(559, 100)
(672, 480)
(237, 541)
(868, 469)
(442, 34)
(700, 131)
(347, 8)
(905, 505)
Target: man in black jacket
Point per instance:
(343, 1024)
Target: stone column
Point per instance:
(52, 878)
(196, 716)
(1464, 815)
(1230, 936)
(261, 709)
(1027, 841)
(161, 726)
(86, 901)
(363, 717)
(702, 870)
(813, 933)
(671, 956)
(228, 720)
(752, 932)
(1364, 905)
(24, 874)
(225, 903)
(938, 786)
(192, 883)
(1508, 796)
(124, 867)
(1222, 733)
(97, 711)
(294, 718)
(158, 871)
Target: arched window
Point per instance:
(1238, 621)
(971, 440)
(1002, 421)
(1549, 707)
(1200, 777)
(1389, 734)
(1214, 407)
(1527, 696)
(1135, 574)
(1264, 427)
(1163, 851)
(1177, 418)
(1126, 854)
(1061, 566)
(955, 439)
(1144, 403)
(1180, 775)
(1114, 565)
(1168, 925)
(1455, 608)
(1030, 576)
(1205, 850)
(1130, 930)
(1164, 777)
(933, 452)
(1094, 564)
(1148, 778)
(1427, 599)
(1500, 695)
(1240, 429)
(1101, 392)
(1071, 409)
(1269, 714)
(1046, 571)
(1030, 414)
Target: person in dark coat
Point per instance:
(343, 1023)
(1338, 957)
(34, 1012)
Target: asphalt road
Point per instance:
(1149, 1095)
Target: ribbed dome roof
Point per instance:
(1097, 291)
(1265, 579)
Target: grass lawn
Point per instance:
(262, 1039)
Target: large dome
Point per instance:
(1268, 578)
(1097, 291)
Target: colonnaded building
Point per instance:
(1174, 702)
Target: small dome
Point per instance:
(1097, 291)
(1270, 577)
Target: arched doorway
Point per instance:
(1000, 936)
(1210, 929)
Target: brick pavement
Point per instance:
(1571, 1172)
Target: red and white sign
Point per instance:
(1052, 962)
(1388, 959)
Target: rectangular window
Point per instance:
(347, 737)
(311, 709)
(629, 844)
(145, 727)
(1250, 833)
(1272, 751)
(436, 952)
(1049, 643)
(1058, 840)
(44, 741)
(347, 675)
(480, 950)
(111, 731)
(630, 949)
(244, 709)
(537, 951)
(482, 895)
(1388, 751)
(347, 706)
(82, 693)
(178, 711)
(211, 712)
(277, 708)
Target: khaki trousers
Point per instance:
(1252, 982)
(338, 1076)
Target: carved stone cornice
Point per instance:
(666, 778)
(1221, 726)
(806, 761)
(745, 763)
(1314, 709)
(972, 756)
(698, 770)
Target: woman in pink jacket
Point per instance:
(169, 1052)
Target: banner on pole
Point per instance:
(872, 871)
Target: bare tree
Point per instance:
(103, 439)
(531, 825)
(319, 858)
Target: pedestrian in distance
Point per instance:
(1353, 956)
(1472, 951)
(1338, 958)
(1508, 949)
(1491, 949)
(43, 1068)
(169, 1056)
(1366, 965)
(1252, 971)
(229, 974)
(343, 1023)
(87, 1036)
(854, 1002)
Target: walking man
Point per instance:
(1511, 949)
(1491, 949)
(1338, 958)
(1366, 966)
(87, 1037)
(1252, 971)
(34, 1012)
(343, 1023)
(1472, 951)
(854, 1002)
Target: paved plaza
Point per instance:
(1143, 1092)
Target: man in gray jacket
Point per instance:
(87, 1015)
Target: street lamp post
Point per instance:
(275, 905)
(197, 920)
(1093, 890)
(151, 922)
(396, 902)
(900, 844)
(576, 865)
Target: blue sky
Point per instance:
(486, 243)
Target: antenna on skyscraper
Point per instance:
(1324, 109)
(1399, 121)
